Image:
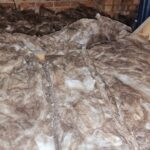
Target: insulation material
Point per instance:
(90, 92)
(46, 22)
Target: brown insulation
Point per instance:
(91, 93)
(46, 22)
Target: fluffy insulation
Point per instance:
(92, 92)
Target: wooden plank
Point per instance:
(144, 30)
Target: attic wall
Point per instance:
(110, 7)
(53, 4)
(115, 7)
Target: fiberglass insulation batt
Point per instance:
(92, 92)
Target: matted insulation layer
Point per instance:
(91, 91)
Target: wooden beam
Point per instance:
(143, 30)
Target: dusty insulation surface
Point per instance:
(45, 22)
(92, 92)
